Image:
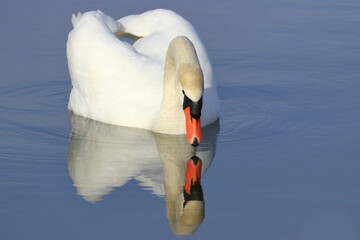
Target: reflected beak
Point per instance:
(193, 128)
(193, 175)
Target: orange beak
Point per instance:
(193, 128)
(193, 173)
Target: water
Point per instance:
(283, 166)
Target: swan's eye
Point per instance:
(195, 107)
(183, 92)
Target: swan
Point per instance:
(162, 83)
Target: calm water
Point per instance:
(284, 164)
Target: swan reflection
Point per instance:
(102, 157)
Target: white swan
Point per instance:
(122, 84)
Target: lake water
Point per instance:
(283, 163)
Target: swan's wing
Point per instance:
(110, 74)
(157, 28)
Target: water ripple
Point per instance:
(33, 114)
(251, 113)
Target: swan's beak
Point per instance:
(193, 128)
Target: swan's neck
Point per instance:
(182, 73)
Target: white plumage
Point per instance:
(122, 84)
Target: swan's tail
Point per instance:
(75, 18)
(113, 25)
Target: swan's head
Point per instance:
(192, 83)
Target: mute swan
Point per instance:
(145, 85)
